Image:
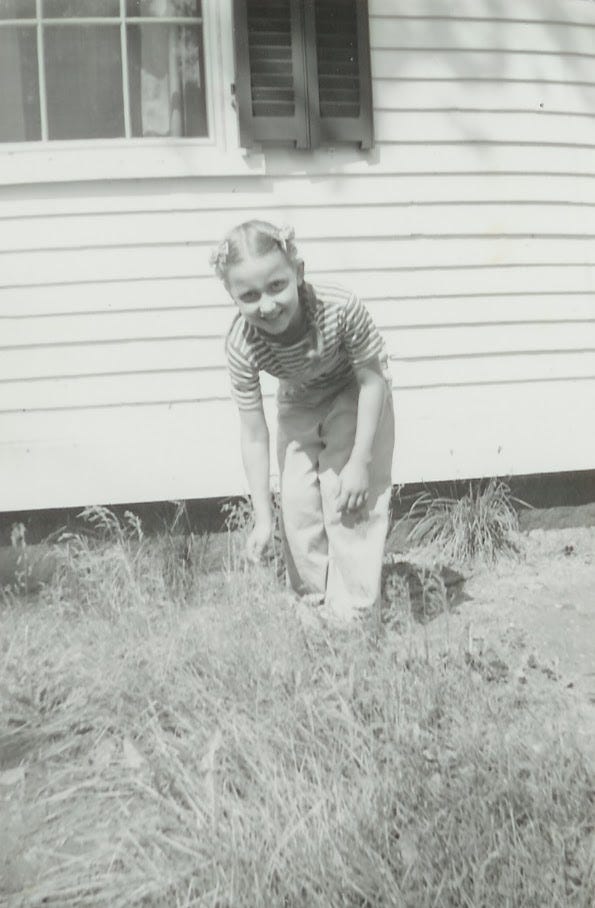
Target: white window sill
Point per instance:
(60, 162)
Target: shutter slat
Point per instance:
(272, 109)
(266, 39)
(343, 94)
(272, 95)
(274, 79)
(266, 69)
(272, 63)
(339, 109)
(262, 51)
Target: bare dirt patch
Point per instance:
(549, 594)
(534, 611)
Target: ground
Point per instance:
(549, 596)
(535, 608)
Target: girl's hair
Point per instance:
(252, 238)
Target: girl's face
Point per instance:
(266, 290)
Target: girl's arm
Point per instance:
(254, 443)
(354, 477)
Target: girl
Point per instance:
(335, 418)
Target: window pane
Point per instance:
(163, 7)
(17, 9)
(84, 82)
(73, 9)
(19, 107)
(167, 86)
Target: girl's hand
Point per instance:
(354, 483)
(258, 540)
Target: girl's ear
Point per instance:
(299, 270)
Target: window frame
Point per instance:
(219, 153)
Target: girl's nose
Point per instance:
(267, 305)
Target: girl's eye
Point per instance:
(277, 286)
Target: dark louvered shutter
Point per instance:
(340, 82)
(270, 72)
(303, 72)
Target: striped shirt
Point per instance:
(341, 336)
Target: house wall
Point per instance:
(468, 231)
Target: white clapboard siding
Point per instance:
(486, 310)
(188, 269)
(481, 427)
(459, 267)
(468, 230)
(65, 331)
(191, 230)
(429, 164)
(446, 127)
(472, 67)
(442, 281)
(191, 450)
(188, 266)
(481, 369)
(556, 157)
(169, 453)
(429, 33)
(181, 261)
(557, 278)
(283, 194)
(429, 310)
(456, 281)
(84, 298)
(119, 388)
(27, 370)
(397, 251)
(115, 389)
(398, 93)
(569, 12)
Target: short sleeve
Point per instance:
(361, 339)
(243, 374)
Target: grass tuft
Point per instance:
(478, 526)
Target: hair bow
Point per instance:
(285, 235)
(218, 258)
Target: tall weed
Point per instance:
(110, 566)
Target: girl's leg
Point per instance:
(304, 536)
(355, 541)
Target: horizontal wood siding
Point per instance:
(468, 230)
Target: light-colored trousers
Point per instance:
(338, 555)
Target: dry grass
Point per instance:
(170, 738)
(479, 525)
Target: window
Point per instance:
(101, 69)
(121, 89)
(303, 72)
